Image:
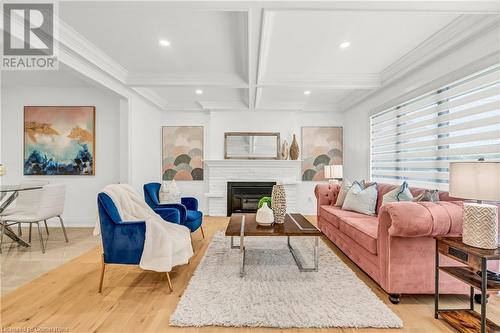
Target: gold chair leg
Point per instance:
(103, 267)
(202, 232)
(169, 282)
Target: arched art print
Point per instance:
(321, 145)
(59, 140)
(182, 152)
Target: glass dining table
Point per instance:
(8, 194)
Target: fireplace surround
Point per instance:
(243, 197)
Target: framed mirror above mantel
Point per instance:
(252, 145)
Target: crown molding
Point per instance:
(458, 31)
(462, 29)
(74, 41)
(173, 79)
(152, 96)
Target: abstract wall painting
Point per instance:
(182, 152)
(321, 145)
(59, 140)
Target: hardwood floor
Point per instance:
(66, 299)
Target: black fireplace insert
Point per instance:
(243, 197)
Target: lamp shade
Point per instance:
(333, 171)
(475, 180)
(2, 170)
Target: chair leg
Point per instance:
(103, 267)
(46, 227)
(63, 228)
(41, 236)
(202, 232)
(19, 231)
(29, 237)
(1, 236)
(169, 282)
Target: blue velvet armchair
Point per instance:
(188, 208)
(123, 242)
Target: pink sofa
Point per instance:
(395, 248)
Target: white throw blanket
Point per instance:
(166, 244)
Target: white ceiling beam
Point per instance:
(222, 105)
(253, 33)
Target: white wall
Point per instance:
(480, 52)
(217, 123)
(81, 191)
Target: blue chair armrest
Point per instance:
(190, 203)
(169, 214)
(180, 207)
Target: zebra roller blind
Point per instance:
(417, 140)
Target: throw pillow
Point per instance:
(401, 193)
(169, 193)
(344, 188)
(361, 200)
(427, 195)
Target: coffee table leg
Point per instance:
(297, 260)
(242, 246)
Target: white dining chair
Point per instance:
(51, 205)
(25, 202)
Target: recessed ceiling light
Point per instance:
(198, 91)
(307, 92)
(164, 42)
(345, 45)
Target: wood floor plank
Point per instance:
(134, 300)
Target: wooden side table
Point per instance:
(474, 259)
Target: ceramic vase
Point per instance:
(278, 203)
(284, 150)
(264, 215)
(294, 149)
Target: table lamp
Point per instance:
(2, 170)
(479, 181)
(333, 173)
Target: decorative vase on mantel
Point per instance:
(278, 203)
(284, 151)
(294, 149)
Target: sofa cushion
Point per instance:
(333, 214)
(361, 200)
(363, 230)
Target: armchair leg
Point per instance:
(29, 237)
(19, 231)
(169, 282)
(202, 232)
(103, 267)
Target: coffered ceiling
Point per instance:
(284, 55)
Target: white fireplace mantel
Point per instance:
(220, 172)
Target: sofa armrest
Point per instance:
(421, 219)
(326, 194)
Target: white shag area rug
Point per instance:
(273, 293)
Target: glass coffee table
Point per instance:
(296, 225)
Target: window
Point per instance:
(417, 140)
